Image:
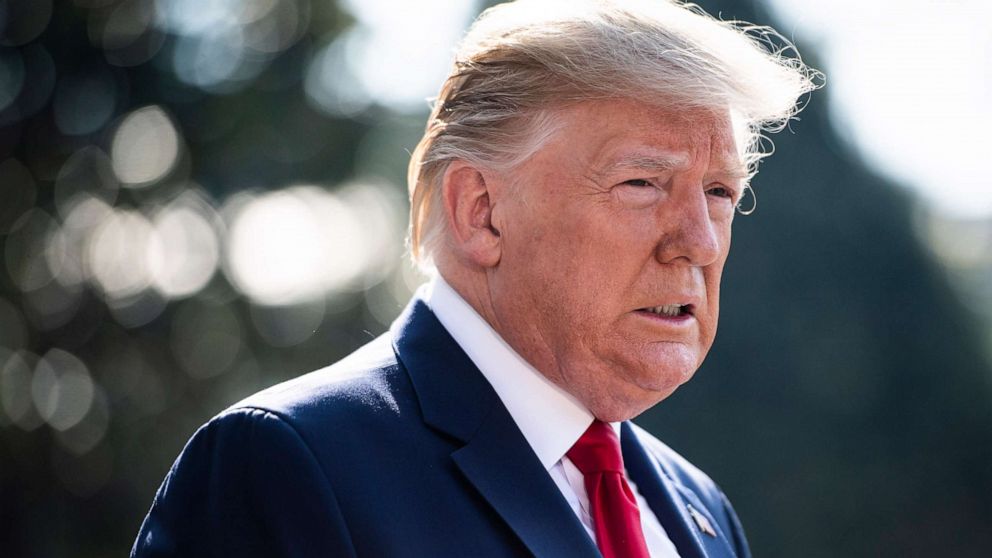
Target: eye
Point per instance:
(638, 193)
(640, 182)
(720, 192)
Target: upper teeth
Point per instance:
(668, 309)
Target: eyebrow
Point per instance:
(738, 171)
(670, 162)
(662, 161)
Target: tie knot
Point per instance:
(598, 450)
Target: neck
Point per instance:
(473, 287)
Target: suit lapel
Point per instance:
(674, 505)
(456, 399)
(498, 462)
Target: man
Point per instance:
(575, 190)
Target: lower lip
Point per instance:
(680, 320)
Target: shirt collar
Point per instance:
(550, 418)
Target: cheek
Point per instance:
(559, 251)
(708, 322)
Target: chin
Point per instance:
(620, 411)
(667, 363)
(625, 404)
(659, 377)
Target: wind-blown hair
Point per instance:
(522, 61)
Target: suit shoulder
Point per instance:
(689, 478)
(678, 467)
(369, 380)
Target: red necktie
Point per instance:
(615, 516)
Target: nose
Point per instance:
(689, 234)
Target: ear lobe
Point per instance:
(468, 208)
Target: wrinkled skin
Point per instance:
(627, 207)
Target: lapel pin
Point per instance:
(701, 521)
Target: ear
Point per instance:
(468, 207)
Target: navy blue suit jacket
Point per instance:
(401, 449)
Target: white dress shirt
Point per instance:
(550, 418)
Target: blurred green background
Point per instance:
(199, 199)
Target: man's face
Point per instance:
(613, 239)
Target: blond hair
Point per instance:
(522, 60)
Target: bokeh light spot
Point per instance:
(25, 250)
(83, 436)
(137, 310)
(189, 243)
(190, 17)
(385, 301)
(128, 33)
(67, 247)
(117, 255)
(15, 388)
(145, 147)
(129, 21)
(330, 80)
(382, 212)
(272, 26)
(386, 57)
(209, 60)
(62, 389)
(87, 172)
(223, 44)
(294, 245)
(910, 87)
(943, 234)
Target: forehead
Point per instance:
(611, 135)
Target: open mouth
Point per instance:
(670, 310)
